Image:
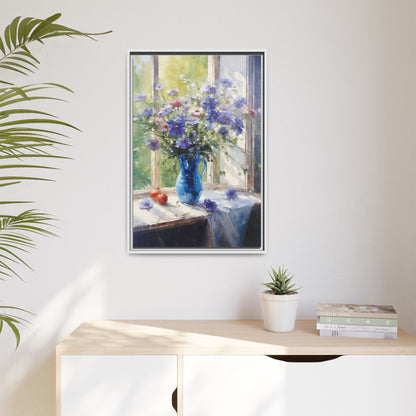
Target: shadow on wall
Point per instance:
(28, 385)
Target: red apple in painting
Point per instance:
(162, 199)
(154, 194)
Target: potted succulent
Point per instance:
(280, 301)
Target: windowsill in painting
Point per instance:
(175, 213)
(141, 193)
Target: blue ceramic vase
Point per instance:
(189, 181)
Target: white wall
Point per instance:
(341, 167)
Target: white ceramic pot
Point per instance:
(279, 311)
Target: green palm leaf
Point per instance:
(20, 137)
(12, 320)
(16, 237)
(32, 138)
(21, 32)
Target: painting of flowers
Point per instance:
(196, 145)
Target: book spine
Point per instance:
(336, 320)
(357, 334)
(389, 329)
(380, 315)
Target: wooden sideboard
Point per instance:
(230, 368)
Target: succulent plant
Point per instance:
(281, 282)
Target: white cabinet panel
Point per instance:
(353, 385)
(233, 386)
(262, 386)
(132, 385)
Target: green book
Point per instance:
(343, 320)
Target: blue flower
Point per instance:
(240, 102)
(225, 118)
(231, 193)
(147, 112)
(191, 121)
(158, 87)
(153, 144)
(176, 127)
(165, 111)
(223, 131)
(225, 83)
(210, 89)
(183, 143)
(212, 116)
(237, 125)
(140, 97)
(209, 103)
(173, 93)
(210, 205)
(146, 204)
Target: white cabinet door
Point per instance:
(262, 386)
(132, 385)
(233, 386)
(353, 385)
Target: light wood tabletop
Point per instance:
(205, 337)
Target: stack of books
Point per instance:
(357, 321)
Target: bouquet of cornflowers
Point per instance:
(200, 122)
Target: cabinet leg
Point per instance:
(179, 389)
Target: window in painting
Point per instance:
(237, 165)
(178, 72)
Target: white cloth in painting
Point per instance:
(229, 222)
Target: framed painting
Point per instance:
(196, 152)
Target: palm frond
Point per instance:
(23, 132)
(16, 237)
(13, 320)
(26, 135)
(21, 32)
